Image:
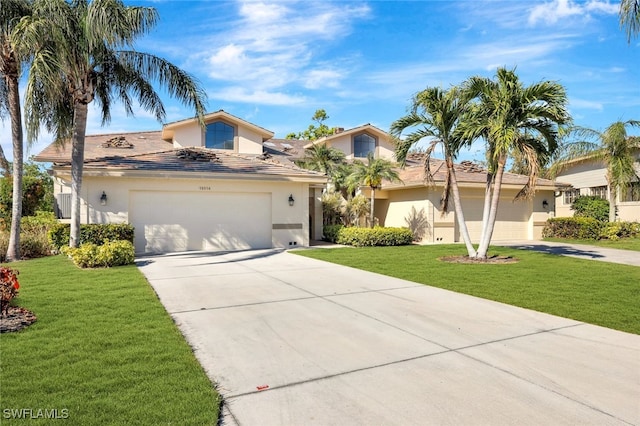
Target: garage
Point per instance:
(168, 221)
(512, 221)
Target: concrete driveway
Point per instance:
(296, 341)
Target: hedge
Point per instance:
(362, 237)
(111, 253)
(95, 233)
(572, 227)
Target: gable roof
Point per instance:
(365, 127)
(169, 128)
(113, 144)
(194, 160)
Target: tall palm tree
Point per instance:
(630, 17)
(371, 174)
(513, 118)
(86, 56)
(435, 114)
(323, 159)
(614, 147)
(11, 60)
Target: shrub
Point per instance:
(34, 241)
(572, 227)
(111, 253)
(378, 236)
(8, 288)
(617, 230)
(95, 233)
(330, 232)
(591, 206)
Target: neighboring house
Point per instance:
(185, 188)
(588, 177)
(358, 142)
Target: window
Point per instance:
(599, 191)
(632, 193)
(363, 145)
(570, 196)
(219, 135)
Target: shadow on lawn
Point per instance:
(559, 250)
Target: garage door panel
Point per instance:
(512, 221)
(177, 221)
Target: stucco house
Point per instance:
(233, 186)
(589, 177)
(185, 188)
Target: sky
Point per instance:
(274, 63)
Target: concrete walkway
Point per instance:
(296, 341)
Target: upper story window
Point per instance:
(570, 196)
(599, 191)
(219, 135)
(363, 145)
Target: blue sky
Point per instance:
(275, 63)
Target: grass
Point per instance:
(622, 244)
(601, 293)
(103, 349)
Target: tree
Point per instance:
(513, 119)
(37, 187)
(86, 55)
(371, 174)
(630, 17)
(435, 114)
(614, 147)
(11, 60)
(312, 133)
(323, 159)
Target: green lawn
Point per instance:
(595, 292)
(622, 244)
(103, 349)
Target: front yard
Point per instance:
(595, 292)
(103, 351)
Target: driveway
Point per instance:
(296, 341)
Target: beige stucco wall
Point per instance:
(119, 190)
(344, 143)
(247, 141)
(186, 136)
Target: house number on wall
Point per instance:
(205, 188)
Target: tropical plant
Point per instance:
(435, 114)
(591, 206)
(614, 147)
(630, 17)
(323, 159)
(371, 174)
(37, 190)
(513, 119)
(332, 208)
(312, 132)
(12, 56)
(356, 208)
(85, 54)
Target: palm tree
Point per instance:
(614, 147)
(436, 114)
(11, 60)
(323, 159)
(86, 55)
(371, 174)
(513, 119)
(630, 17)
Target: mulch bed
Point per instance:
(16, 319)
(498, 260)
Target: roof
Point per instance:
(169, 128)
(107, 145)
(339, 134)
(199, 160)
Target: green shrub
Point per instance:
(585, 228)
(111, 253)
(378, 236)
(92, 233)
(34, 241)
(330, 232)
(617, 230)
(591, 206)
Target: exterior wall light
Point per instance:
(291, 200)
(103, 199)
(545, 204)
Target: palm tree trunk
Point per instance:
(373, 198)
(495, 199)
(13, 251)
(612, 203)
(77, 164)
(459, 214)
(487, 205)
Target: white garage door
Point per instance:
(180, 221)
(512, 222)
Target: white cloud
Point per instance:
(241, 94)
(562, 10)
(322, 78)
(585, 104)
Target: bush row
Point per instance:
(34, 240)
(363, 237)
(111, 253)
(588, 228)
(96, 234)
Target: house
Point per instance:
(233, 186)
(588, 176)
(188, 188)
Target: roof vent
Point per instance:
(117, 142)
